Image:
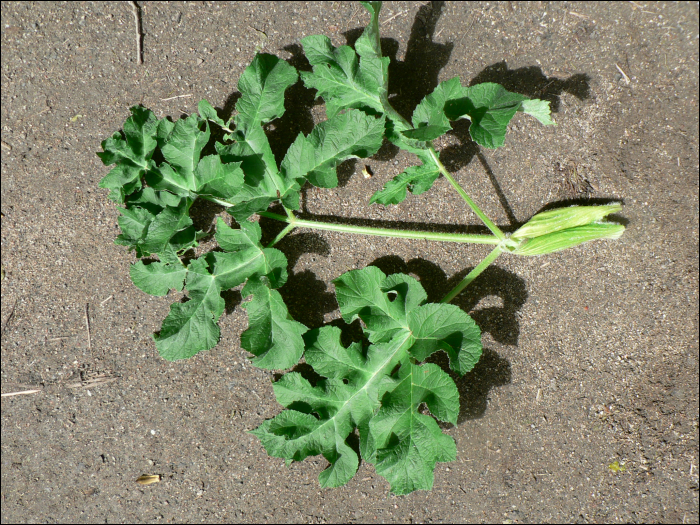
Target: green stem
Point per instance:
(473, 274)
(393, 114)
(281, 234)
(489, 224)
(383, 232)
(290, 215)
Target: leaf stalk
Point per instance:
(393, 114)
(489, 224)
(282, 234)
(295, 222)
(474, 273)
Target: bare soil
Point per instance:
(584, 407)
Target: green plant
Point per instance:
(376, 385)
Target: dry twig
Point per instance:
(392, 17)
(352, 16)
(574, 13)
(102, 379)
(58, 338)
(637, 6)
(139, 31)
(7, 321)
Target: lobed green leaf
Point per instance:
(272, 336)
(158, 278)
(340, 78)
(262, 88)
(416, 179)
(538, 109)
(490, 107)
(172, 228)
(130, 153)
(192, 327)
(215, 179)
(182, 149)
(207, 112)
(409, 444)
(153, 229)
(429, 116)
(392, 306)
(361, 390)
(342, 137)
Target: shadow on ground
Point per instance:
(411, 79)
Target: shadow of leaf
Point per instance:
(533, 83)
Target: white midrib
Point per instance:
(380, 372)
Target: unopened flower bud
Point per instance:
(562, 228)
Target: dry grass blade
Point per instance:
(173, 98)
(20, 393)
(627, 79)
(87, 324)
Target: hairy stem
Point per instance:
(382, 232)
(473, 274)
(393, 114)
(290, 215)
(282, 234)
(489, 224)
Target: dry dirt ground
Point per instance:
(591, 359)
